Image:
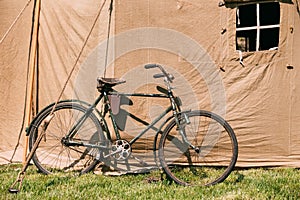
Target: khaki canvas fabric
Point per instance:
(194, 39)
(256, 1)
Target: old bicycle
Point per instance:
(194, 147)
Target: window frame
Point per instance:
(258, 27)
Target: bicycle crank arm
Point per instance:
(113, 153)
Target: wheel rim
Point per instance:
(217, 152)
(53, 154)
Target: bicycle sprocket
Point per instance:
(121, 150)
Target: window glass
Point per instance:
(269, 13)
(246, 40)
(269, 38)
(246, 16)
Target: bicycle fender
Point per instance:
(51, 105)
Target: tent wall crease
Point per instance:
(261, 96)
(14, 50)
(64, 26)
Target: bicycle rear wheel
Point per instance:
(214, 154)
(53, 154)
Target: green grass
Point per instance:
(275, 183)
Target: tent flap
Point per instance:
(195, 41)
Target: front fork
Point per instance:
(176, 102)
(185, 120)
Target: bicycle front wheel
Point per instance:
(54, 154)
(203, 151)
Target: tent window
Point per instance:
(257, 26)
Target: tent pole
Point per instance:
(32, 63)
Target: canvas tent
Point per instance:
(257, 91)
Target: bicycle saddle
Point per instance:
(111, 81)
(108, 82)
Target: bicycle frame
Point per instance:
(149, 126)
(175, 107)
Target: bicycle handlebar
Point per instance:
(169, 77)
(149, 66)
(158, 75)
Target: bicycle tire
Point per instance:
(52, 155)
(217, 149)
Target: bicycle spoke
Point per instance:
(207, 158)
(54, 153)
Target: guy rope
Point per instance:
(21, 174)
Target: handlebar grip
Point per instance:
(149, 66)
(158, 75)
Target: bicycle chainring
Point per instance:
(121, 150)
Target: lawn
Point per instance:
(258, 183)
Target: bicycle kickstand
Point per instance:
(21, 175)
(19, 180)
